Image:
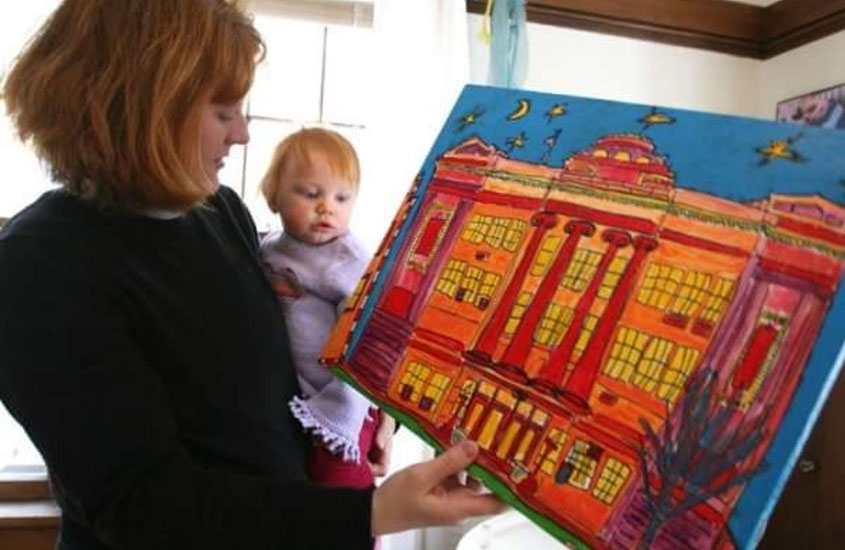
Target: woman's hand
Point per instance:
(430, 493)
(379, 456)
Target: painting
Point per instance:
(825, 108)
(635, 311)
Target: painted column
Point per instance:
(579, 386)
(486, 344)
(552, 373)
(513, 360)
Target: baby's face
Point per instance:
(314, 203)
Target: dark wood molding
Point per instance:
(18, 486)
(792, 23)
(717, 25)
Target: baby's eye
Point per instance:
(342, 198)
(310, 194)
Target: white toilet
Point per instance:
(509, 531)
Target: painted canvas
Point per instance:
(825, 108)
(636, 312)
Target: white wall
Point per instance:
(813, 66)
(624, 69)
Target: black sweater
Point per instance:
(147, 360)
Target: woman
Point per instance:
(140, 345)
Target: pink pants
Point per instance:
(326, 468)
(330, 470)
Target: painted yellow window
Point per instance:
(554, 323)
(581, 270)
(523, 412)
(435, 389)
(517, 312)
(545, 255)
(488, 287)
(488, 433)
(717, 300)
(660, 286)
(514, 235)
(583, 465)
(600, 153)
(539, 419)
(486, 389)
(612, 479)
(650, 368)
(451, 277)
(691, 294)
(467, 390)
(474, 415)
(497, 231)
(413, 380)
(556, 439)
(476, 228)
(625, 354)
(470, 283)
(590, 322)
(675, 375)
(624, 156)
(612, 277)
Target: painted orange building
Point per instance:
(546, 312)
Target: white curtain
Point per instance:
(420, 65)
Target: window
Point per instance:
(554, 446)
(582, 461)
(683, 293)
(676, 373)
(433, 392)
(330, 89)
(612, 277)
(590, 322)
(467, 283)
(415, 377)
(450, 278)
(613, 477)
(582, 269)
(545, 255)
(556, 319)
(496, 232)
(653, 364)
(716, 301)
(25, 179)
(625, 354)
(517, 312)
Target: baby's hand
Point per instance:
(285, 283)
(379, 455)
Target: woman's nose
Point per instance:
(239, 132)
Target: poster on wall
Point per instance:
(635, 311)
(825, 108)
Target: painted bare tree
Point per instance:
(698, 454)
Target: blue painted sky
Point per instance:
(711, 153)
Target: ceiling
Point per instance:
(750, 28)
(761, 3)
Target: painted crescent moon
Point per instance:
(522, 108)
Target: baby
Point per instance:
(314, 264)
